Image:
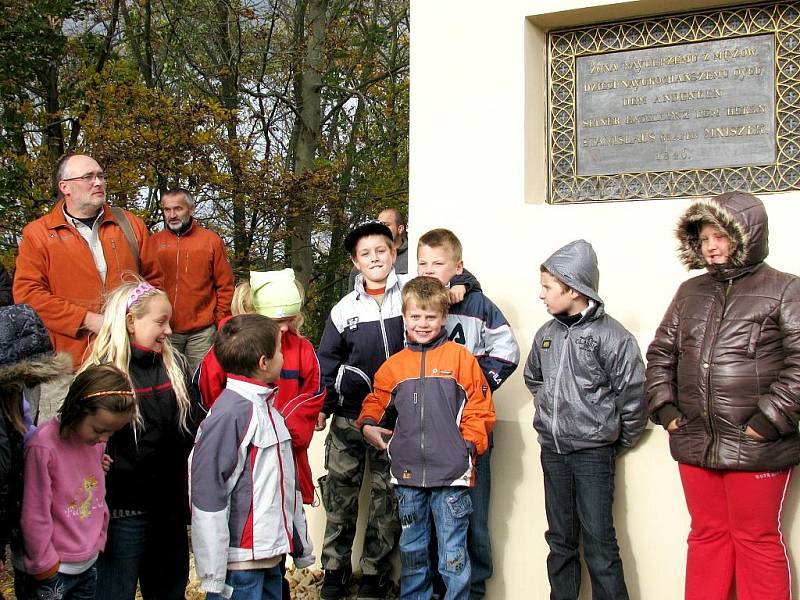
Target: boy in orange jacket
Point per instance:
(444, 414)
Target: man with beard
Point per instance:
(197, 276)
(72, 256)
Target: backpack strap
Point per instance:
(125, 224)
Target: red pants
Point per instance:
(736, 531)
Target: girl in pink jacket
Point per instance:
(64, 513)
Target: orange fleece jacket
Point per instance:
(402, 375)
(197, 276)
(56, 274)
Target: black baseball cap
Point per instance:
(367, 229)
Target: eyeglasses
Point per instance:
(88, 177)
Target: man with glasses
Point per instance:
(71, 257)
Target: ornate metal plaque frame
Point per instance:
(782, 19)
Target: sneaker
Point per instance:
(373, 587)
(335, 584)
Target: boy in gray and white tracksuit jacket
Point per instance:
(586, 374)
(247, 510)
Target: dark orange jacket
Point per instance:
(56, 273)
(197, 276)
(444, 413)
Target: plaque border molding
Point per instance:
(782, 19)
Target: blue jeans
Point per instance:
(154, 552)
(58, 587)
(578, 498)
(255, 584)
(450, 508)
(478, 540)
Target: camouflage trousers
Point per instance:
(346, 456)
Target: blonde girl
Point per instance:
(147, 490)
(64, 514)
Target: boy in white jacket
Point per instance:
(246, 507)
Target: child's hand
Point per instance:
(322, 418)
(456, 293)
(374, 436)
(105, 462)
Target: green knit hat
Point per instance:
(275, 293)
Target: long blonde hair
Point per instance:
(242, 304)
(113, 344)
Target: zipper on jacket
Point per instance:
(712, 452)
(289, 536)
(177, 270)
(555, 392)
(422, 416)
(383, 328)
(116, 256)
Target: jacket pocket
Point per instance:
(324, 491)
(352, 382)
(752, 340)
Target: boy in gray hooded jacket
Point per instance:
(586, 374)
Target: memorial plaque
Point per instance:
(683, 105)
(691, 106)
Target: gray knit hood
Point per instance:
(741, 216)
(576, 265)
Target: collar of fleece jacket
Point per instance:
(741, 216)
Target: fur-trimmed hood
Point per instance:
(31, 372)
(740, 215)
(26, 353)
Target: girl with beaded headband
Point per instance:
(147, 481)
(64, 514)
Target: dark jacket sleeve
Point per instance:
(626, 371)
(468, 280)
(5, 450)
(661, 385)
(533, 369)
(6, 298)
(501, 352)
(780, 407)
(331, 354)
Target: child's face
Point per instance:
(715, 245)
(287, 324)
(374, 258)
(98, 427)
(422, 324)
(269, 369)
(438, 262)
(151, 328)
(557, 301)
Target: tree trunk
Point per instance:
(309, 85)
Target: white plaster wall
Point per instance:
(478, 168)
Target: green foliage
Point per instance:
(207, 95)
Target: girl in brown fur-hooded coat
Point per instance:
(723, 377)
(26, 360)
(727, 353)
